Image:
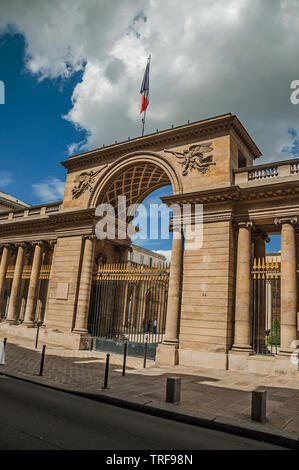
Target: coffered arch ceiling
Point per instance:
(135, 183)
(135, 176)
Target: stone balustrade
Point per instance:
(267, 173)
(33, 211)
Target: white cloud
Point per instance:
(166, 253)
(5, 179)
(50, 190)
(209, 57)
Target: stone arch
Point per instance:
(136, 176)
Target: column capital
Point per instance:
(286, 220)
(245, 224)
(6, 245)
(38, 243)
(22, 245)
(90, 236)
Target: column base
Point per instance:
(167, 354)
(244, 348)
(11, 321)
(28, 324)
(82, 331)
(285, 351)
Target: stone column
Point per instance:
(3, 268)
(242, 339)
(288, 308)
(85, 285)
(14, 295)
(33, 284)
(167, 352)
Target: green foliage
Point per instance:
(274, 336)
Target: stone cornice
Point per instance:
(235, 193)
(173, 136)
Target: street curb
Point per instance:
(251, 430)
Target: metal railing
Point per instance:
(129, 300)
(266, 306)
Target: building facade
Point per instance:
(212, 304)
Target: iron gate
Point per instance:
(266, 306)
(128, 301)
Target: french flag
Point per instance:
(145, 88)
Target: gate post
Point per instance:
(167, 352)
(85, 285)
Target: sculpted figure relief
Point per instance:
(193, 158)
(85, 181)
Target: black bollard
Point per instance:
(145, 353)
(258, 405)
(42, 360)
(4, 342)
(37, 333)
(125, 357)
(106, 372)
(173, 389)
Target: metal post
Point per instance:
(4, 342)
(106, 372)
(145, 351)
(37, 333)
(42, 360)
(173, 389)
(125, 356)
(258, 405)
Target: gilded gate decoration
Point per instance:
(266, 305)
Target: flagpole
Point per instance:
(143, 122)
(144, 112)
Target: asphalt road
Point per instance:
(36, 418)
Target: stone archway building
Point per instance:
(209, 313)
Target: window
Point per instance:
(242, 162)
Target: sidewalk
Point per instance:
(224, 394)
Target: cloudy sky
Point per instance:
(73, 68)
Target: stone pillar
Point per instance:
(85, 285)
(288, 315)
(167, 352)
(33, 285)
(3, 268)
(14, 295)
(242, 339)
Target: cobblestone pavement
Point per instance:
(223, 393)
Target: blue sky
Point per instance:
(33, 135)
